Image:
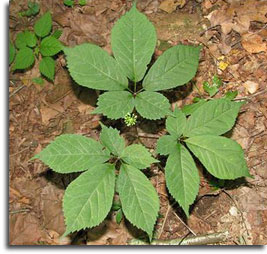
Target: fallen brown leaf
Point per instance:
(48, 113)
(168, 6)
(238, 15)
(253, 43)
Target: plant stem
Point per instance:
(141, 90)
(134, 86)
(195, 240)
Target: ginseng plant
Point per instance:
(88, 199)
(133, 41)
(200, 134)
(194, 130)
(31, 45)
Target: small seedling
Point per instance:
(214, 87)
(70, 3)
(200, 133)
(33, 9)
(230, 95)
(133, 41)
(89, 198)
(31, 45)
(38, 81)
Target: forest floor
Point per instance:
(233, 35)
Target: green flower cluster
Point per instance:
(130, 119)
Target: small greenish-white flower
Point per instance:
(130, 119)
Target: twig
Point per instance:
(191, 231)
(195, 240)
(164, 221)
(20, 211)
(250, 96)
(26, 148)
(146, 135)
(17, 90)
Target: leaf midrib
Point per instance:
(105, 74)
(133, 30)
(96, 189)
(148, 102)
(133, 186)
(211, 151)
(204, 124)
(182, 173)
(160, 77)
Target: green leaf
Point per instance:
(30, 38)
(216, 81)
(116, 206)
(133, 41)
(211, 90)
(44, 25)
(137, 156)
(182, 177)
(33, 10)
(69, 3)
(139, 200)
(47, 67)
(222, 157)
(50, 46)
(24, 59)
(230, 95)
(38, 81)
(57, 34)
(112, 140)
(214, 87)
(189, 109)
(197, 99)
(115, 104)
(24, 39)
(175, 124)
(72, 153)
(88, 199)
(152, 105)
(175, 67)
(21, 41)
(119, 216)
(12, 52)
(166, 144)
(213, 117)
(91, 66)
(82, 2)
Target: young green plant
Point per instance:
(212, 90)
(70, 3)
(200, 133)
(32, 44)
(33, 9)
(88, 199)
(133, 41)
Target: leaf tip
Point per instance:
(186, 210)
(37, 156)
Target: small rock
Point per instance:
(233, 211)
(251, 86)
